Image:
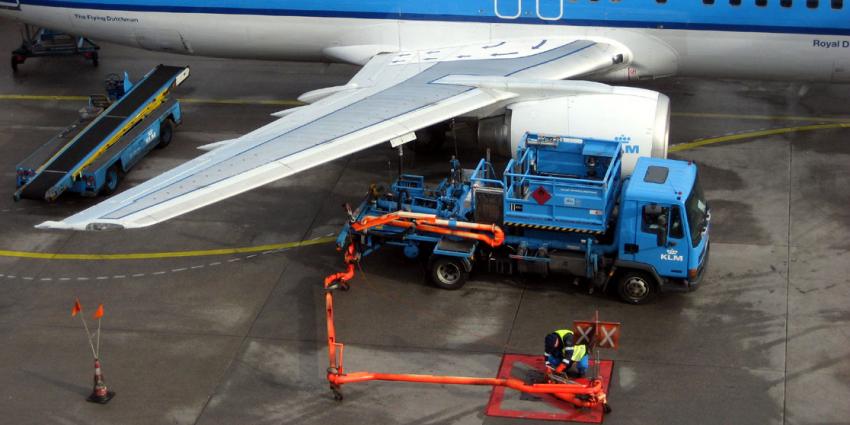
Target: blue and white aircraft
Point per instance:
(516, 65)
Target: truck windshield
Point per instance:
(697, 211)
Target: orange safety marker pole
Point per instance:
(100, 393)
(579, 395)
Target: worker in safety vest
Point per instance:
(562, 352)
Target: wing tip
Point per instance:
(89, 227)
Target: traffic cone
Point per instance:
(100, 394)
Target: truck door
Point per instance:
(660, 240)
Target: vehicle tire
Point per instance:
(15, 63)
(113, 177)
(166, 133)
(94, 60)
(448, 273)
(636, 287)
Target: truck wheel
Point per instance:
(636, 287)
(113, 176)
(166, 133)
(448, 273)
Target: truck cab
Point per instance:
(664, 219)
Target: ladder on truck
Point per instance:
(55, 171)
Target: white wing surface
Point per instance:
(393, 95)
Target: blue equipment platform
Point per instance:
(560, 183)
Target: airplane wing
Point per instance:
(394, 94)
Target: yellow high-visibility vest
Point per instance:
(579, 350)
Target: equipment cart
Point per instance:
(40, 42)
(91, 156)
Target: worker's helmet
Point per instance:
(552, 342)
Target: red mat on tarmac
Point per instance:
(513, 404)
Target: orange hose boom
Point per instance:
(592, 394)
(431, 223)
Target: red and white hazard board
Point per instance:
(584, 332)
(608, 335)
(601, 334)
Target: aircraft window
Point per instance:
(761, 3)
(837, 4)
(661, 1)
(735, 2)
(812, 4)
(785, 3)
(709, 2)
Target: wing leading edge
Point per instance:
(393, 95)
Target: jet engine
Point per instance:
(639, 118)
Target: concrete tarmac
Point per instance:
(240, 338)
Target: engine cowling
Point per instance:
(638, 117)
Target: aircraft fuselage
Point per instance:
(719, 40)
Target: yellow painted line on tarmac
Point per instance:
(754, 134)
(41, 97)
(277, 102)
(761, 117)
(242, 102)
(161, 255)
(293, 102)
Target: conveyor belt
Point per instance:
(103, 126)
(141, 93)
(86, 143)
(41, 184)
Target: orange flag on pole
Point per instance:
(99, 313)
(77, 308)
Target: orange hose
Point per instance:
(431, 223)
(566, 392)
(343, 277)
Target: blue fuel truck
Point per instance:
(562, 206)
